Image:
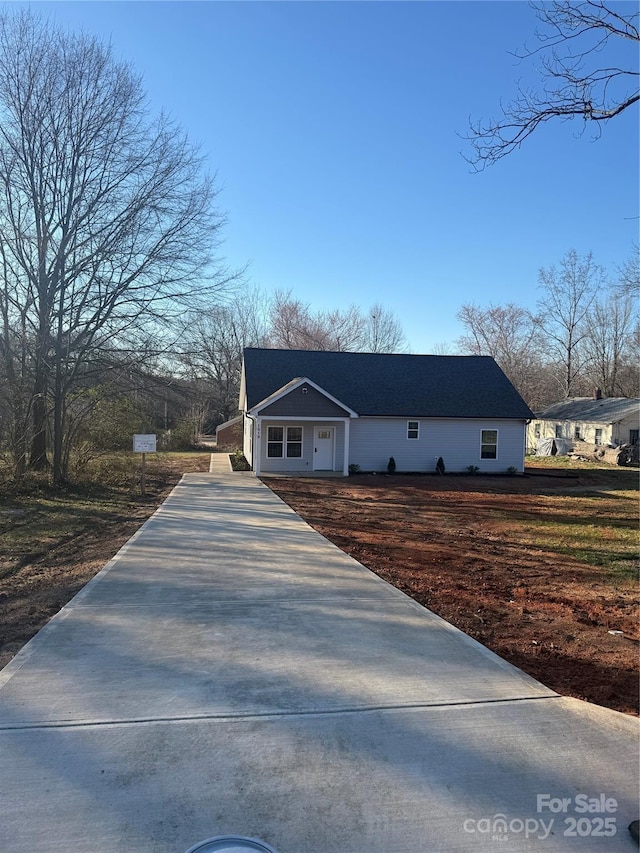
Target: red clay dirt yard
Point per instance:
(540, 568)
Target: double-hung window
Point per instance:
(294, 442)
(489, 444)
(413, 429)
(275, 442)
(280, 444)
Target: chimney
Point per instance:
(597, 394)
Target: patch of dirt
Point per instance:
(42, 585)
(460, 546)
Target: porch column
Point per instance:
(257, 446)
(345, 459)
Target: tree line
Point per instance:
(584, 333)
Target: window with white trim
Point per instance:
(489, 444)
(413, 429)
(294, 442)
(275, 442)
(281, 445)
(598, 439)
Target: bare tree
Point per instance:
(511, 335)
(580, 49)
(213, 346)
(628, 283)
(106, 217)
(383, 332)
(295, 325)
(609, 345)
(568, 296)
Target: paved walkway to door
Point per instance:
(232, 672)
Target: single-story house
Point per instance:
(307, 411)
(595, 420)
(229, 434)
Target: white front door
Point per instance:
(323, 449)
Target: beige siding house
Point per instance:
(596, 420)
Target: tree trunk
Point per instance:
(38, 460)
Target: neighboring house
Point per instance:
(324, 411)
(229, 434)
(596, 420)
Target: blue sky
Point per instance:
(334, 131)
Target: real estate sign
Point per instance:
(144, 444)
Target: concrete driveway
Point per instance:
(232, 672)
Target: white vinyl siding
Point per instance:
(374, 440)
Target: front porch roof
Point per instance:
(291, 386)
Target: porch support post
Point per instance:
(345, 457)
(257, 446)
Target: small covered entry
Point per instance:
(298, 430)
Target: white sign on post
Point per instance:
(144, 444)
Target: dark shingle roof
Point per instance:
(446, 386)
(608, 410)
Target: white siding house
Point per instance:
(596, 420)
(307, 412)
(458, 442)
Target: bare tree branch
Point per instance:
(574, 35)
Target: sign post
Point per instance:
(144, 444)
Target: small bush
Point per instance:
(181, 437)
(512, 469)
(391, 465)
(115, 469)
(354, 469)
(472, 469)
(440, 465)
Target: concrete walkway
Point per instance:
(232, 672)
